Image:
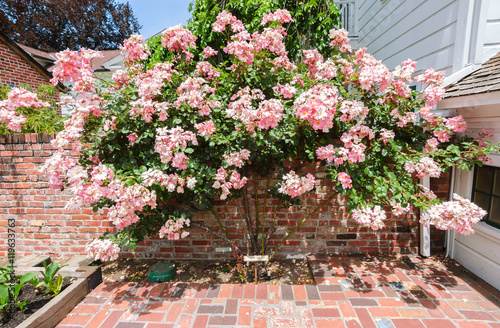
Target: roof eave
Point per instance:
(473, 100)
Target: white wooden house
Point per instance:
(457, 37)
(477, 98)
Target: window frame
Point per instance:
(496, 170)
(351, 18)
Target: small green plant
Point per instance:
(5, 273)
(8, 294)
(52, 285)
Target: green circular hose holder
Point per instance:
(161, 272)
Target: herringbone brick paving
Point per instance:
(367, 292)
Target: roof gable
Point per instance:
(27, 58)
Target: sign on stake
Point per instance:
(255, 259)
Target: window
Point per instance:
(347, 10)
(486, 193)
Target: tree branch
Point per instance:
(256, 189)
(264, 216)
(273, 222)
(220, 224)
(248, 218)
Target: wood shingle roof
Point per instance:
(485, 79)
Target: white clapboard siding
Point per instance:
(376, 17)
(492, 30)
(434, 33)
(389, 22)
(404, 19)
(483, 244)
(394, 31)
(470, 250)
(426, 52)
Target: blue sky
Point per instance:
(157, 15)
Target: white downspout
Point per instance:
(450, 235)
(425, 232)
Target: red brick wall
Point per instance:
(15, 71)
(43, 226)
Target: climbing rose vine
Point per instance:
(174, 132)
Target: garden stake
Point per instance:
(256, 278)
(255, 259)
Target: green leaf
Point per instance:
(30, 277)
(4, 294)
(57, 285)
(22, 304)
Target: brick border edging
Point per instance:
(22, 138)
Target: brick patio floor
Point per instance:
(369, 291)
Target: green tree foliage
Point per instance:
(313, 19)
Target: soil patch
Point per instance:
(277, 272)
(36, 301)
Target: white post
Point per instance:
(425, 232)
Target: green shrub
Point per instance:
(38, 120)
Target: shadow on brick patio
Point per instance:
(353, 291)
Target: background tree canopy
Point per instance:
(313, 19)
(55, 25)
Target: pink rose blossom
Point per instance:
(134, 49)
(237, 159)
(397, 209)
(17, 98)
(458, 215)
(205, 128)
(226, 18)
(281, 16)
(179, 39)
(180, 161)
(172, 229)
(294, 186)
(132, 137)
(425, 166)
(431, 145)
(385, 135)
(103, 250)
(318, 106)
(235, 181)
(372, 217)
(209, 52)
(345, 180)
(287, 90)
(456, 124)
(170, 140)
(431, 77)
(339, 39)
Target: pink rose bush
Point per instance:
(458, 215)
(104, 250)
(177, 131)
(18, 98)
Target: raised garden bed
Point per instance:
(83, 280)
